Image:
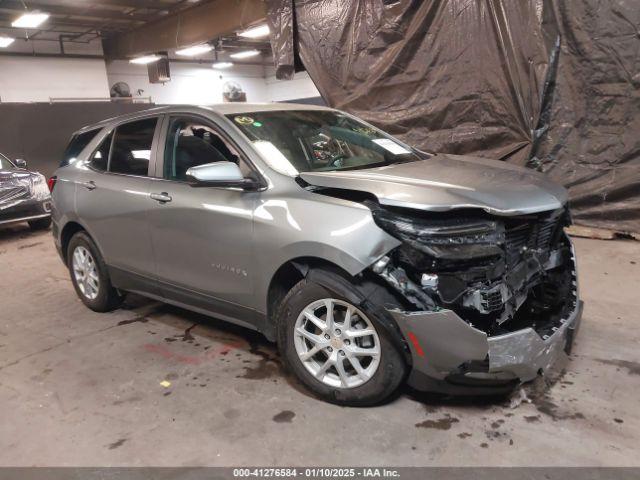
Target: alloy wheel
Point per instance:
(85, 272)
(337, 343)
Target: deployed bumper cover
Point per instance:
(449, 354)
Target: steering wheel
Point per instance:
(336, 159)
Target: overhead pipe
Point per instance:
(100, 57)
(193, 26)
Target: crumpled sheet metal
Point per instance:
(544, 83)
(14, 192)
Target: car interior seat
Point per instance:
(192, 151)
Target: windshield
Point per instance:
(5, 164)
(293, 141)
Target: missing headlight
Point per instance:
(488, 269)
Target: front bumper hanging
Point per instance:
(449, 355)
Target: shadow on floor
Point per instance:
(263, 359)
(268, 364)
(19, 231)
(439, 400)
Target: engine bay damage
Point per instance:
(499, 274)
(486, 300)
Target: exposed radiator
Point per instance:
(534, 235)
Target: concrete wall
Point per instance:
(190, 83)
(31, 79)
(24, 79)
(39, 132)
(201, 84)
(37, 79)
(283, 90)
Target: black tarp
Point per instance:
(550, 84)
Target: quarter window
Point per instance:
(100, 158)
(76, 145)
(191, 143)
(131, 148)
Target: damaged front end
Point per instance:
(491, 300)
(23, 196)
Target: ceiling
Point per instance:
(86, 21)
(83, 21)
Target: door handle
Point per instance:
(90, 185)
(163, 197)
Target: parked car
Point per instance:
(368, 261)
(24, 195)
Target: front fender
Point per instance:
(338, 231)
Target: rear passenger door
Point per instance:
(113, 202)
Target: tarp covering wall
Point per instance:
(550, 84)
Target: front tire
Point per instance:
(90, 276)
(338, 350)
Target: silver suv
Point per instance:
(369, 262)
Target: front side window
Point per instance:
(191, 143)
(294, 141)
(131, 148)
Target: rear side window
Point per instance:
(76, 145)
(100, 158)
(131, 148)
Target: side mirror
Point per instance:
(20, 163)
(219, 174)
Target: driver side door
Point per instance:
(202, 237)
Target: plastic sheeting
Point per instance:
(19, 186)
(545, 83)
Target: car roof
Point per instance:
(221, 108)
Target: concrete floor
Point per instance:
(84, 389)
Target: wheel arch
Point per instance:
(359, 289)
(67, 232)
(288, 275)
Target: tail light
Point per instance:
(52, 183)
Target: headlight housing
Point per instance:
(459, 237)
(39, 188)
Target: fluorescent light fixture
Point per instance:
(255, 32)
(245, 54)
(222, 65)
(30, 20)
(146, 59)
(195, 50)
(6, 41)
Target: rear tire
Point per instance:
(375, 377)
(40, 224)
(90, 276)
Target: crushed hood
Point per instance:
(445, 182)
